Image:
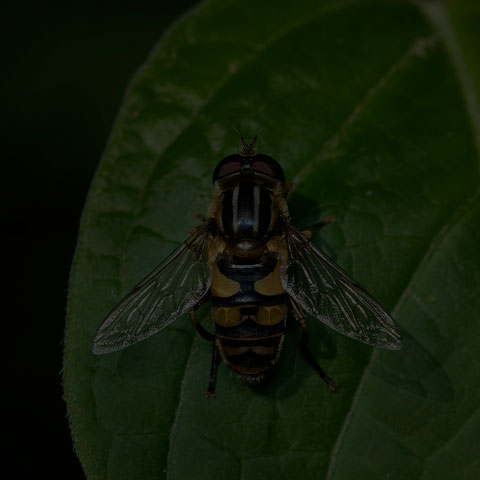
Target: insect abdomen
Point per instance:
(249, 311)
(250, 348)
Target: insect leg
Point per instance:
(213, 372)
(305, 351)
(286, 188)
(210, 337)
(198, 327)
(200, 216)
(309, 230)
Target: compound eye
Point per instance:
(268, 166)
(228, 168)
(264, 167)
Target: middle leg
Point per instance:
(308, 232)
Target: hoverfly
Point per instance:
(253, 265)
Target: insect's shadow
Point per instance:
(415, 370)
(306, 211)
(303, 210)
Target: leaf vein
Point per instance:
(437, 14)
(418, 47)
(176, 415)
(454, 437)
(432, 247)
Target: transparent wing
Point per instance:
(326, 292)
(172, 289)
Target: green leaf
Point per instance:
(372, 109)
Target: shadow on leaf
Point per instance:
(416, 370)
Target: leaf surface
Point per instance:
(372, 109)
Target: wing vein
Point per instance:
(166, 293)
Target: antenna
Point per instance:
(248, 149)
(244, 142)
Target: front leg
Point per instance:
(198, 214)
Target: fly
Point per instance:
(253, 266)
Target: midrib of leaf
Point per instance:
(460, 430)
(417, 47)
(437, 15)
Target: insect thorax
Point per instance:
(247, 213)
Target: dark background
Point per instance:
(65, 70)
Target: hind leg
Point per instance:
(213, 372)
(305, 351)
(211, 338)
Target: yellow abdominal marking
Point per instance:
(231, 316)
(227, 316)
(249, 339)
(271, 284)
(221, 285)
(271, 315)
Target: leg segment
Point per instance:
(200, 216)
(305, 351)
(211, 338)
(213, 372)
(286, 188)
(198, 327)
(309, 231)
